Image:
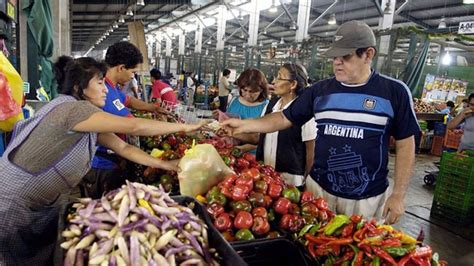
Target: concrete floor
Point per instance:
(455, 244)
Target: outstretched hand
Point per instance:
(394, 209)
(234, 126)
(169, 165)
(194, 127)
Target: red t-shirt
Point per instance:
(163, 91)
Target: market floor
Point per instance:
(454, 244)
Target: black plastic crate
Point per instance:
(216, 240)
(274, 252)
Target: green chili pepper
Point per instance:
(375, 261)
(396, 251)
(360, 224)
(345, 263)
(314, 229)
(305, 229)
(336, 223)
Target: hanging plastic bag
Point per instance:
(8, 106)
(15, 87)
(201, 168)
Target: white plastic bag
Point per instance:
(201, 168)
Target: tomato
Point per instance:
(243, 220)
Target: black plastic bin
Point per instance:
(216, 240)
(274, 252)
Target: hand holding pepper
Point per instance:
(394, 208)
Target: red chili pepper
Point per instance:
(360, 234)
(356, 218)
(320, 240)
(367, 249)
(347, 257)
(340, 241)
(392, 242)
(423, 252)
(359, 258)
(384, 255)
(403, 261)
(421, 261)
(336, 249)
(347, 231)
(322, 251)
(311, 249)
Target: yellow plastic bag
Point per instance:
(16, 86)
(201, 168)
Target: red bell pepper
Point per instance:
(223, 222)
(229, 180)
(249, 157)
(243, 220)
(274, 190)
(239, 192)
(321, 204)
(260, 226)
(261, 186)
(282, 205)
(306, 196)
(245, 181)
(285, 221)
(267, 200)
(226, 191)
(259, 211)
(215, 209)
(252, 173)
(241, 163)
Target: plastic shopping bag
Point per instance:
(201, 168)
(8, 106)
(15, 90)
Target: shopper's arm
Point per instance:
(268, 123)
(460, 118)
(132, 153)
(140, 105)
(309, 155)
(404, 161)
(102, 122)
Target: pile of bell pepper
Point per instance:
(256, 203)
(356, 242)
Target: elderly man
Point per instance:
(356, 112)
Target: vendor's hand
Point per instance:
(246, 147)
(394, 209)
(194, 127)
(234, 126)
(168, 165)
(215, 114)
(467, 112)
(160, 110)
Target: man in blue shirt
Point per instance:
(123, 59)
(356, 113)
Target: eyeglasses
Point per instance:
(276, 79)
(345, 57)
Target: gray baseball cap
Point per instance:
(351, 36)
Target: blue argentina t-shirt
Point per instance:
(354, 126)
(115, 103)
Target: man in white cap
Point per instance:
(356, 112)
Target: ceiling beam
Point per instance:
(147, 2)
(117, 13)
(411, 18)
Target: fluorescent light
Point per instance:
(468, 1)
(442, 23)
(129, 12)
(282, 41)
(332, 19)
(209, 21)
(121, 19)
(446, 59)
(140, 2)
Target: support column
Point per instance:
(221, 24)
(61, 28)
(168, 54)
(312, 64)
(304, 8)
(254, 21)
(385, 22)
(158, 38)
(22, 52)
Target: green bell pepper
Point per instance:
(244, 235)
(293, 194)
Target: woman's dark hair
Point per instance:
(450, 104)
(123, 53)
(470, 97)
(298, 73)
(73, 75)
(155, 73)
(254, 79)
(226, 72)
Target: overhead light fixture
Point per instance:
(442, 23)
(387, 10)
(446, 59)
(129, 12)
(468, 1)
(293, 26)
(282, 41)
(121, 19)
(207, 52)
(242, 35)
(260, 44)
(273, 8)
(140, 2)
(115, 26)
(332, 19)
(234, 49)
(209, 42)
(265, 31)
(107, 33)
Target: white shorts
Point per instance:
(369, 208)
